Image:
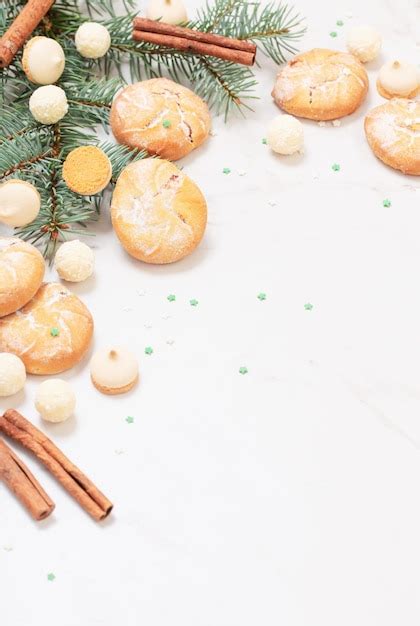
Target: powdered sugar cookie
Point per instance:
(321, 85)
(51, 333)
(393, 132)
(21, 273)
(158, 213)
(161, 117)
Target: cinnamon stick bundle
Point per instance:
(72, 479)
(190, 40)
(22, 28)
(15, 474)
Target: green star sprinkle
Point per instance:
(308, 306)
(335, 167)
(226, 170)
(333, 34)
(243, 370)
(262, 296)
(264, 141)
(340, 23)
(387, 203)
(148, 350)
(171, 297)
(50, 577)
(129, 419)
(166, 123)
(193, 302)
(54, 332)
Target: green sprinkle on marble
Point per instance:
(171, 297)
(264, 141)
(148, 350)
(387, 203)
(262, 296)
(129, 419)
(308, 306)
(54, 332)
(193, 302)
(243, 370)
(166, 123)
(333, 34)
(340, 23)
(335, 167)
(226, 170)
(50, 577)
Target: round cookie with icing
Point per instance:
(161, 117)
(321, 85)
(158, 213)
(393, 132)
(397, 79)
(114, 370)
(21, 274)
(51, 333)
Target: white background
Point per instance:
(288, 496)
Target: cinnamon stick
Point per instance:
(190, 40)
(72, 479)
(15, 474)
(22, 28)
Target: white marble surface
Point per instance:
(291, 495)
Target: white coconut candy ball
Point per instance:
(364, 42)
(398, 78)
(285, 135)
(48, 104)
(92, 40)
(19, 203)
(74, 261)
(12, 374)
(55, 400)
(43, 60)
(168, 11)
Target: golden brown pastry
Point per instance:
(158, 213)
(51, 333)
(161, 117)
(393, 132)
(87, 170)
(21, 273)
(321, 85)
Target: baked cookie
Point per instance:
(158, 213)
(393, 132)
(114, 370)
(21, 273)
(51, 333)
(321, 85)
(161, 117)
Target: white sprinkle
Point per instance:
(141, 292)
(336, 123)
(7, 548)
(166, 316)
(213, 133)
(126, 309)
(315, 176)
(148, 325)
(322, 123)
(170, 342)
(242, 173)
(348, 15)
(119, 451)
(272, 203)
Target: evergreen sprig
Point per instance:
(35, 152)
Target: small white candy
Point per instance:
(55, 400)
(399, 78)
(364, 42)
(168, 11)
(74, 261)
(48, 104)
(336, 123)
(92, 40)
(285, 135)
(43, 60)
(12, 374)
(19, 203)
